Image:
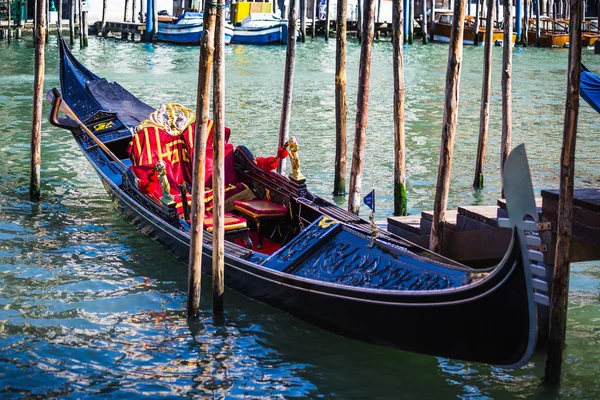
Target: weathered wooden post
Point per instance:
(38, 97)
(59, 19)
(449, 122)
(313, 25)
(431, 34)
(303, 20)
(218, 176)
(537, 23)
(377, 27)
(525, 40)
(84, 19)
(506, 140)
(484, 113)
(411, 22)
(80, 24)
(362, 107)
(207, 47)
(125, 11)
(359, 20)
(133, 18)
(476, 36)
(560, 283)
(9, 33)
(103, 25)
(400, 199)
(423, 22)
(498, 10)
(341, 106)
(327, 20)
(288, 81)
(71, 23)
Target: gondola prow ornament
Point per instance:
(369, 200)
(166, 198)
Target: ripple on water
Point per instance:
(88, 306)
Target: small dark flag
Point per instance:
(369, 200)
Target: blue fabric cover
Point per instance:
(590, 88)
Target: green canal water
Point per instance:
(89, 306)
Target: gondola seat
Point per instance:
(263, 214)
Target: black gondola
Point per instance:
(329, 270)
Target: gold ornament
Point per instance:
(166, 198)
(172, 118)
(292, 145)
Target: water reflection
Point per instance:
(88, 306)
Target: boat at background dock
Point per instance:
(187, 28)
(261, 28)
(328, 268)
(443, 27)
(553, 33)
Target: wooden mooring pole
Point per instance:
(537, 23)
(449, 122)
(327, 20)
(362, 107)
(38, 98)
(476, 33)
(84, 24)
(313, 25)
(288, 81)
(133, 18)
(71, 23)
(80, 23)
(207, 47)
(506, 140)
(9, 33)
(59, 19)
(303, 20)
(560, 283)
(125, 11)
(103, 24)
(484, 112)
(423, 21)
(218, 176)
(400, 199)
(431, 34)
(341, 105)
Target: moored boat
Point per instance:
(553, 33)
(261, 28)
(186, 29)
(589, 32)
(325, 265)
(443, 27)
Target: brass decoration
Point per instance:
(292, 144)
(374, 230)
(172, 118)
(326, 222)
(166, 198)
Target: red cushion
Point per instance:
(260, 207)
(231, 222)
(229, 164)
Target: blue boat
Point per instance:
(590, 88)
(332, 268)
(187, 29)
(261, 28)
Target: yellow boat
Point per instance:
(443, 27)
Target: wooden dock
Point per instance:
(125, 28)
(472, 235)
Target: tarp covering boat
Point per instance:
(590, 88)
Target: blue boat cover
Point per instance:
(590, 88)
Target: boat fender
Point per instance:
(498, 43)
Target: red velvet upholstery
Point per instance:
(259, 207)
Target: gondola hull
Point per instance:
(489, 319)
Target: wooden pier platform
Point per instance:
(125, 28)
(472, 235)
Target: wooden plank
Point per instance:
(538, 203)
(450, 220)
(485, 214)
(410, 223)
(584, 198)
(480, 245)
